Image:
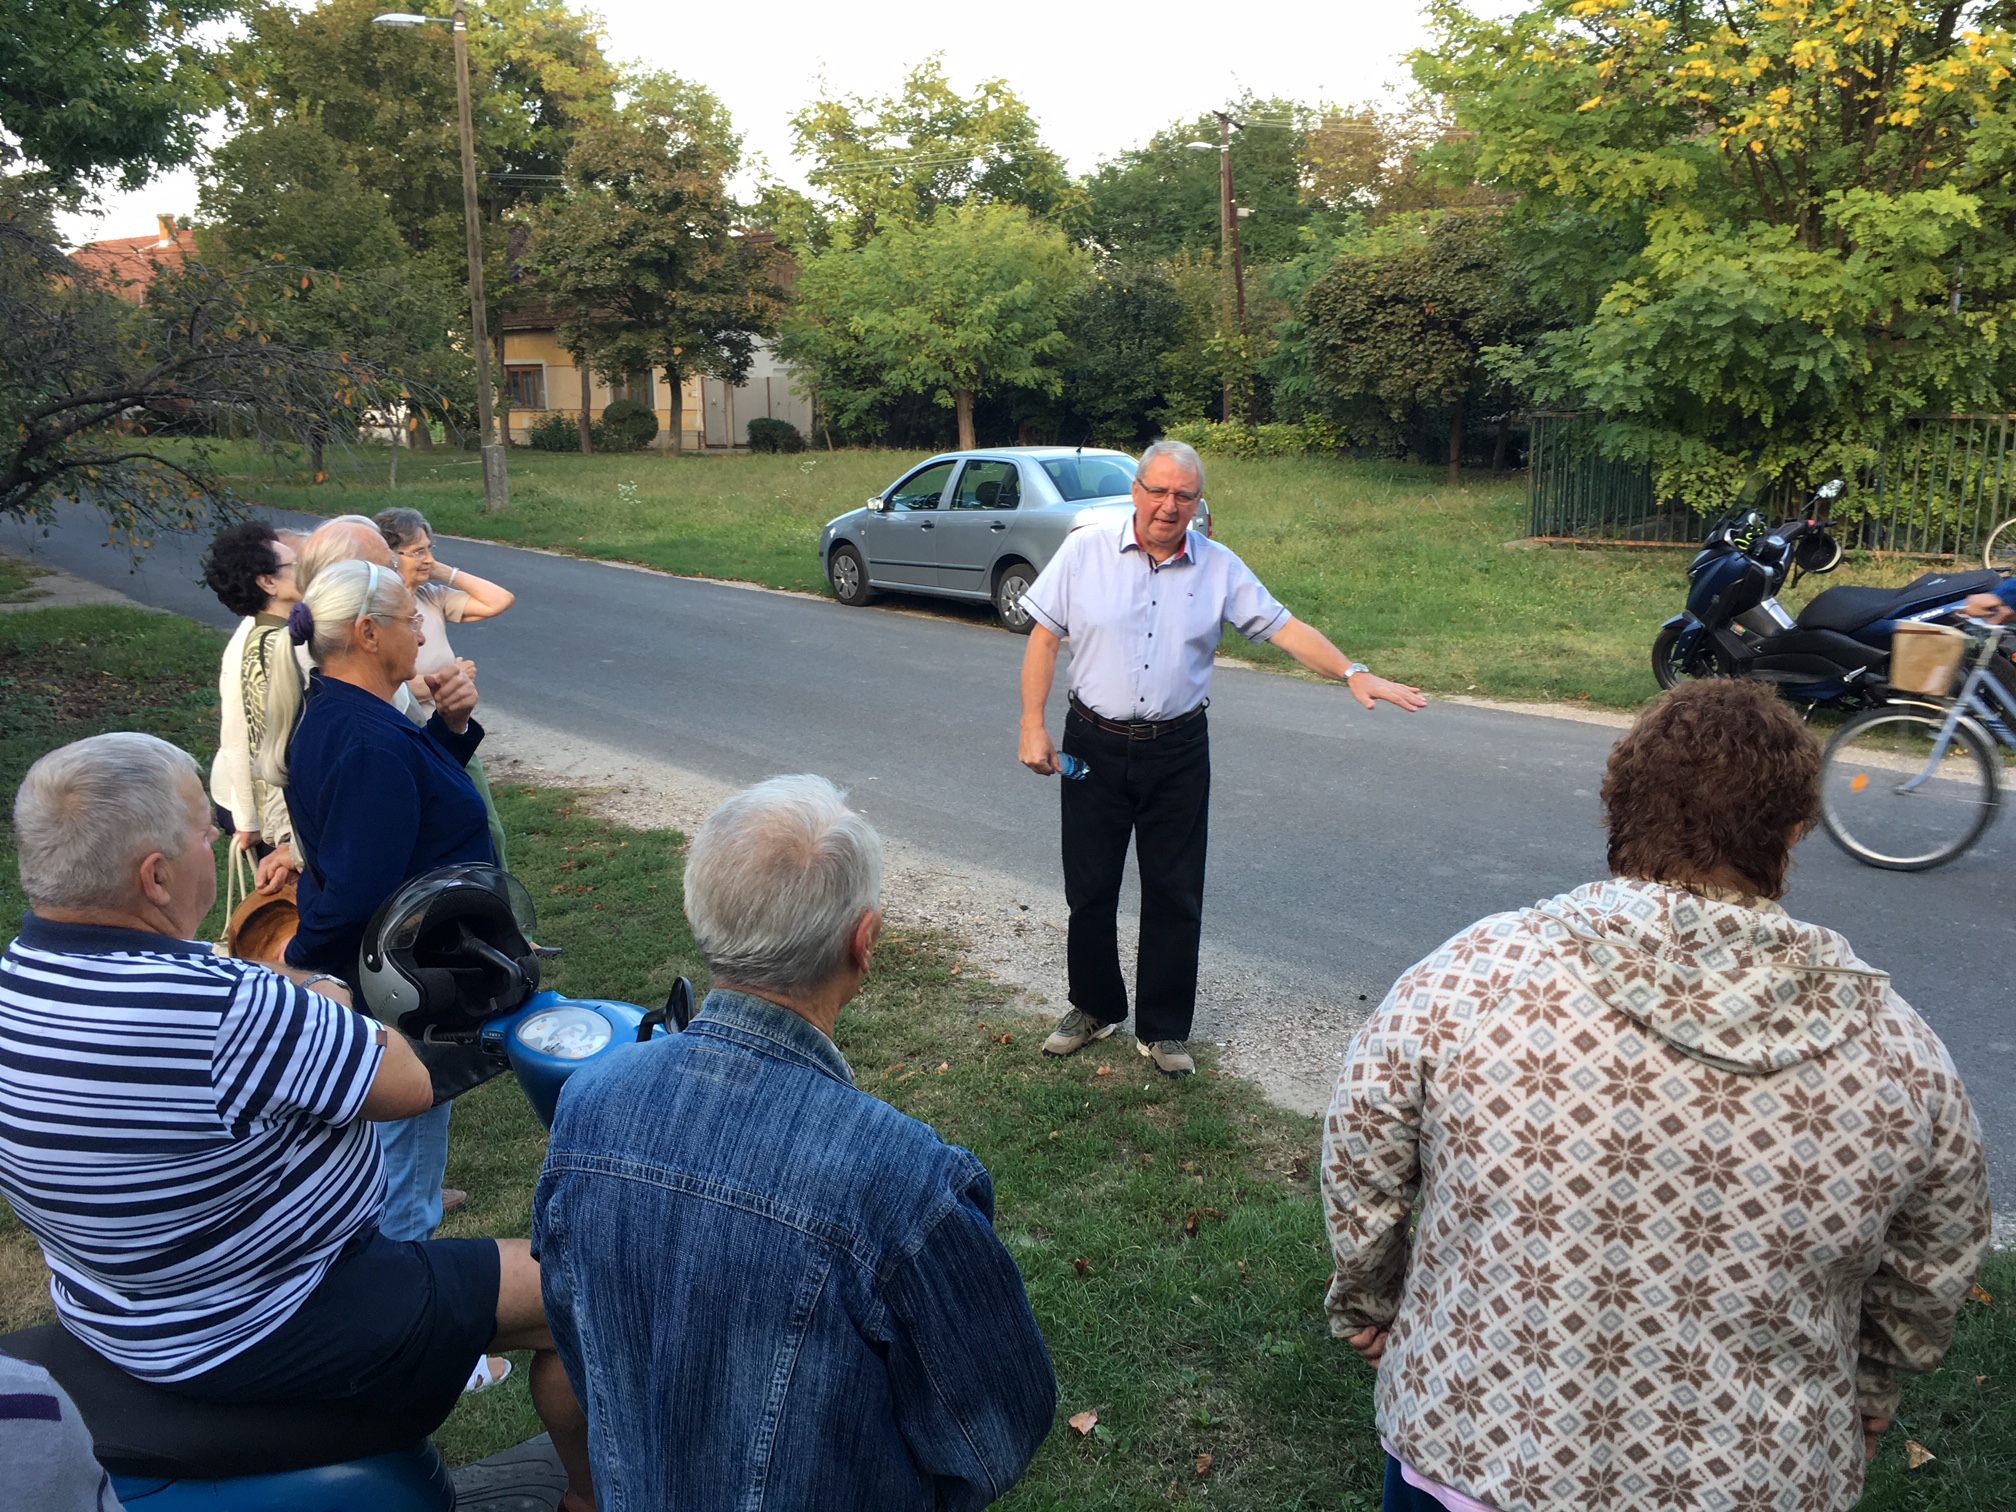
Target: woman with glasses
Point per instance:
(250, 567)
(376, 801)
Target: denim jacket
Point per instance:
(772, 1290)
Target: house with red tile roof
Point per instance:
(128, 263)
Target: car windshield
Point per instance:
(1090, 477)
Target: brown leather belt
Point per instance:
(1135, 729)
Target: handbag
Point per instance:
(257, 925)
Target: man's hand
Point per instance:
(454, 690)
(277, 870)
(1365, 688)
(1987, 606)
(1873, 1428)
(1369, 1342)
(1037, 752)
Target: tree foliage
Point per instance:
(881, 161)
(92, 91)
(1767, 230)
(641, 258)
(88, 381)
(963, 306)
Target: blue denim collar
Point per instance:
(778, 1026)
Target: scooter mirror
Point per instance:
(1833, 488)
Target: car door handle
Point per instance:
(997, 525)
(927, 525)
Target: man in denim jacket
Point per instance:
(772, 1290)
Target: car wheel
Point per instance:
(849, 576)
(1009, 585)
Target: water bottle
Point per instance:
(1072, 767)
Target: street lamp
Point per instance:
(496, 484)
(1228, 228)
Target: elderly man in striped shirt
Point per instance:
(188, 1136)
(1143, 606)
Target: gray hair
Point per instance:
(341, 594)
(776, 879)
(87, 812)
(1180, 452)
(401, 527)
(342, 539)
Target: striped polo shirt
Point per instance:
(180, 1132)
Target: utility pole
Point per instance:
(1228, 247)
(496, 481)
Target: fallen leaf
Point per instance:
(1299, 1170)
(1003, 1039)
(1190, 1222)
(1980, 1380)
(1197, 1299)
(1187, 1167)
(1053, 1133)
(953, 972)
(1242, 1269)
(1103, 1071)
(1083, 1267)
(1981, 1296)
(943, 1067)
(982, 1024)
(1917, 1453)
(1204, 1463)
(1084, 1422)
(894, 1069)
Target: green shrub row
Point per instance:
(1232, 439)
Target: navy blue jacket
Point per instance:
(375, 800)
(771, 1290)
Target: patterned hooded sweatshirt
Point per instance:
(1694, 1183)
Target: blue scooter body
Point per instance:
(409, 1480)
(551, 1037)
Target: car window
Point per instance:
(1090, 477)
(988, 485)
(922, 488)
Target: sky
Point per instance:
(1100, 77)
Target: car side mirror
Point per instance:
(879, 504)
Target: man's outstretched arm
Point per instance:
(1312, 648)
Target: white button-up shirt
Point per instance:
(1143, 636)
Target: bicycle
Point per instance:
(1912, 784)
(1998, 552)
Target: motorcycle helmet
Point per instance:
(448, 950)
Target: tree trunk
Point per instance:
(676, 382)
(1456, 442)
(582, 420)
(423, 433)
(315, 456)
(392, 474)
(1498, 447)
(963, 400)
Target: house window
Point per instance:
(527, 385)
(637, 386)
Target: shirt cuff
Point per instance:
(1273, 628)
(1044, 618)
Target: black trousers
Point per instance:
(1158, 794)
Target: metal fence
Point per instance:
(1944, 482)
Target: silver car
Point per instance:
(977, 524)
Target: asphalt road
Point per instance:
(1345, 845)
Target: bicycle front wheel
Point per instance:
(1998, 552)
(1888, 802)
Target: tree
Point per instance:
(1403, 329)
(88, 381)
(898, 159)
(289, 190)
(1768, 229)
(641, 259)
(1127, 327)
(91, 91)
(965, 305)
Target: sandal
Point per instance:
(486, 1374)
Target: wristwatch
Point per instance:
(1353, 670)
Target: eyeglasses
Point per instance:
(413, 621)
(1162, 495)
(417, 551)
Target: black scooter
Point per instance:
(1835, 653)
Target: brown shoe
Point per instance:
(453, 1200)
(1074, 1032)
(1169, 1056)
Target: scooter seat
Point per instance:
(1848, 609)
(138, 1429)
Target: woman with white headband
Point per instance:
(376, 800)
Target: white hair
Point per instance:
(342, 594)
(87, 812)
(776, 880)
(346, 538)
(1180, 452)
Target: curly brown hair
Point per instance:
(1714, 777)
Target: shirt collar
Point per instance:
(1131, 541)
(778, 1025)
(38, 933)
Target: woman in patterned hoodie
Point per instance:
(1694, 1181)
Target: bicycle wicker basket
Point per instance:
(1926, 659)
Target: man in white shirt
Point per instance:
(1143, 607)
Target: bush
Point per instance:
(628, 425)
(1232, 439)
(555, 433)
(767, 435)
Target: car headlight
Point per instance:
(565, 1033)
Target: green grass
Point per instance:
(1183, 1342)
(16, 576)
(1400, 569)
